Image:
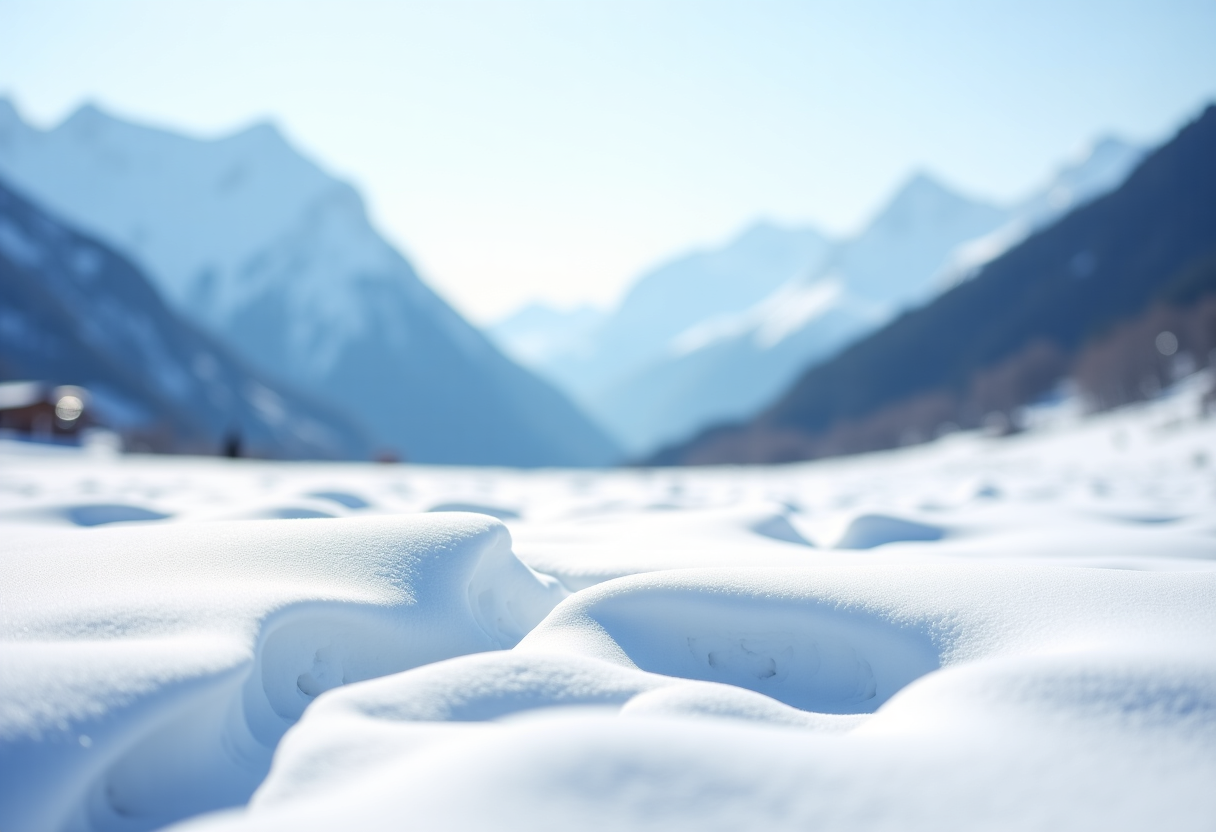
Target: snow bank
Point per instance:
(1001, 698)
(597, 772)
(150, 671)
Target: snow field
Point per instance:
(978, 633)
(1040, 667)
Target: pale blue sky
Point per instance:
(551, 150)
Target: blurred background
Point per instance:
(587, 234)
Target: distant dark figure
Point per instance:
(232, 445)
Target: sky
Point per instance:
(552, 151)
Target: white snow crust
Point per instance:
(1012, 633)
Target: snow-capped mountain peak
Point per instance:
(187, 210)
(894, 258)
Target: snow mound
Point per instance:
(583, 551)
(869, 530)
(500, 512)
(151, 671)
(767, 631)
(587, 723)
(728, 702)
(350, 733)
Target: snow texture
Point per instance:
(980, 632)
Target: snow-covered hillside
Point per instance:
(265, 250)
(692, 366)
(975, 633)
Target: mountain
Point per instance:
(926, 239)
(538, 334)
(729, 366)
(665, 302)
(72, 311)
(267, 252)
(602, 352)
(1008, 334)
(728, 369)
(709, 367)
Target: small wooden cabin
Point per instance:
(40, 410)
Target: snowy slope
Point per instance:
(248, 238)
(974, 633)
(74, 312)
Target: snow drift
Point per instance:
(151, 671)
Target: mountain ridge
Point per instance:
(1026, 313)
(271, 254)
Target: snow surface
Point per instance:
(976, 633)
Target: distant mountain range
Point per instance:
(277, 259)
(1014, 329)
(716, 335)
(74, 311)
